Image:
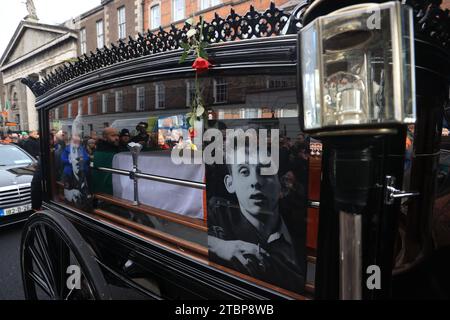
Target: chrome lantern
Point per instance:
(357, 68)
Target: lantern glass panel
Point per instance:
(357, 67)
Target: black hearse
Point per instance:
(132, 223)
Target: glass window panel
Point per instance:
(178, 9)
(100, 35)
(155, 15)
(92, 141)
(121, 20)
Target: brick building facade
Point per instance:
(166, 12)
(107, 23)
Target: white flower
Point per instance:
(191, 33)
(190, 21)
(200, 111)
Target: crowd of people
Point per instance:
(75, 154)
(29, 141)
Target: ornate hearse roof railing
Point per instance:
(253, 24)
(430, 21)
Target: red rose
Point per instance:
(192, 133)
(201, 65)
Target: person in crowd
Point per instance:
(31, 145)
(254, 236)
(90, 148)
(93, 135)
(23, 137)
(107, 147)
(142, 136)
(124, 139)
(15, 139)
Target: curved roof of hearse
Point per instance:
(253, 40)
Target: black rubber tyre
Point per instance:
(50, 244)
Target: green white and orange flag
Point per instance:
(7, 107)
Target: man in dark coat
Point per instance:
(142, 137)
(32, 144)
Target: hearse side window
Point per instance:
(201, 209)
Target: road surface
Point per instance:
(10, 277)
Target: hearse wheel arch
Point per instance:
(54, 256)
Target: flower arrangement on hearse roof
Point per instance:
(196, 45)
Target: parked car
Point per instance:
(16, 172)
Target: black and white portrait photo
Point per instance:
(257, 217)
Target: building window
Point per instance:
(204, 4)
(100, 35)
(83, 48)
(90, 105)
(56, 113)
(69, 110)
(104, 103)
(155, 17)
(80, 107)
(140, 98)
(177, 10)
(160, 96)
(121, 21)
(119, 101)
(190, 92)
(105, 124)
(91, 128)
(220, 91)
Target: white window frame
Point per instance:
(121, 23)
(160, 96)
(56, 113)
(90, 105)
(83, 41)
(104, 103)
(80, 107)
(190, 92)
(220, 82)
(119, 101)
(205, 4)
(69, 110)
(140, 98)
(155, 19)
(100, 34)
(178, 10)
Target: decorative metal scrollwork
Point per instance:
(234, 27)
(431, 22)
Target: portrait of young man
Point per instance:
(256, 221)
